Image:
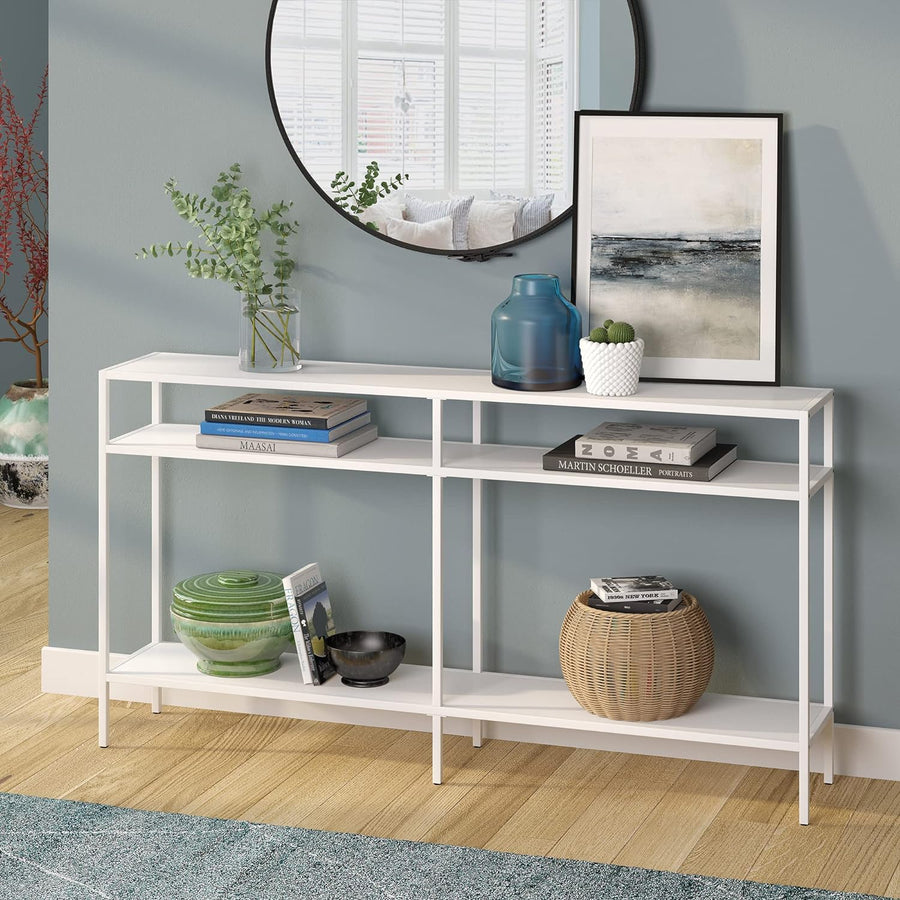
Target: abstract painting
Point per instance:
(676, 232)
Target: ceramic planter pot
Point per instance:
(611, 370)
(24, 460)
(235, 622)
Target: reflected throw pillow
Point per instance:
(390, 207)
(436, 234)
(418, 210)
(534, 212)
(492, 222)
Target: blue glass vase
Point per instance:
(534, 337)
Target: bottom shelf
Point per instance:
(487, 696)
(171, 665)
(725, 719)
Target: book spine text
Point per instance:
(636, 453)
(611, 467)
(237, 418)
(627, 596)
(265, 433)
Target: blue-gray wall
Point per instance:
(23, 51)
(142, 92)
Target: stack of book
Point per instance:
(297, 424)
(634, 594)
(645, 451)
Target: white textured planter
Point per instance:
(611, 370)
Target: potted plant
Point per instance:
(229, 249)
(611, 357)
(24, 465)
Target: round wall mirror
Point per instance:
(447, 125)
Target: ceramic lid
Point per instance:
(232, 596)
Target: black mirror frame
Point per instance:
(480, 254)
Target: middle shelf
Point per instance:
(493, 462)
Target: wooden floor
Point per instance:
(706, 818)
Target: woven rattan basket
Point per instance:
(636, 667)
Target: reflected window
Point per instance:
(470, 96)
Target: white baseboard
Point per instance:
(859, 750)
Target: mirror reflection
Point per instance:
(445, 124)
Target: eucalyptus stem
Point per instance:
(256, 334)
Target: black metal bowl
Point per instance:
(365, 658)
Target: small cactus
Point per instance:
(607, 323)
(598, 335)
(619, 333)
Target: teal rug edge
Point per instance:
(53, 849)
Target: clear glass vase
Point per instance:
(534, 337)
(270, 333)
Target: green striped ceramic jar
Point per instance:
(235, 622)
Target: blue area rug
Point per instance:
(55, 848)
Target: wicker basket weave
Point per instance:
(636, 667)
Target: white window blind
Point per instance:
(492, 114)
(400, 22)
(461, 95)
(492, 98)
(400, 121)
(494, 24)
(307, 78)
(400, 99)
(551, 96)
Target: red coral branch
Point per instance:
(23, 210)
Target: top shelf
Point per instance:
(429, 382)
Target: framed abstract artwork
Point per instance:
(676, 230)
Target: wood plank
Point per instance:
(128, 776)
(355, 803)
(473, 821)
(24, 582)
(21, 527)
(30, 718)
(26, 660)
(18, 690)
(893, 888)
(413, 812)
(307, 787)
(554, 807)
(68, 769)
(55, 739)
(683, 813)
(618, 808)
(798, 854)
(22, 632)
(731, 844)
(260, 776)
(30, 600)
(866, 857)
(225, 749)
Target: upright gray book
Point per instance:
(674, 444)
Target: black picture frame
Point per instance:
(480, 254)
(635, 174)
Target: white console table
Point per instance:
(475, 695)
